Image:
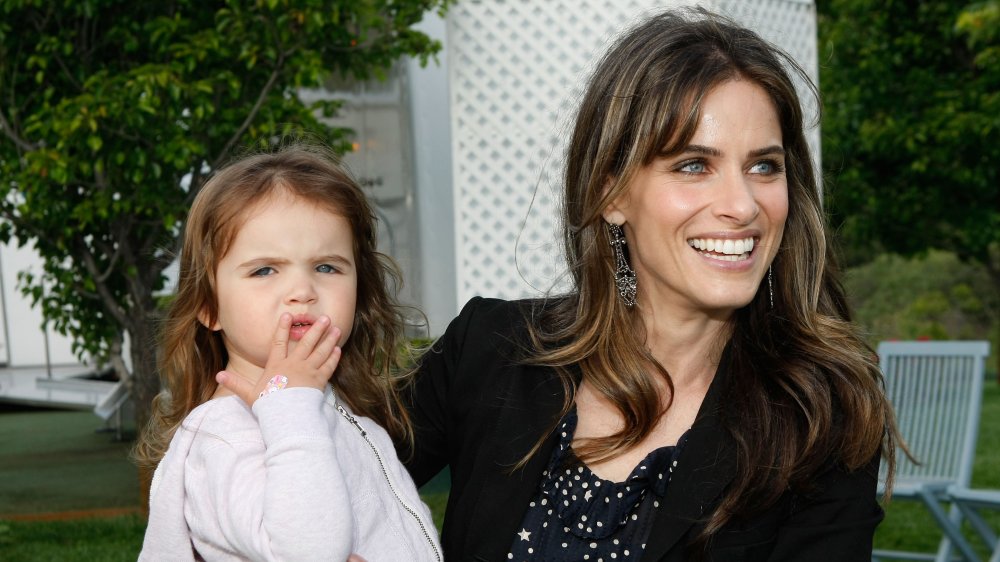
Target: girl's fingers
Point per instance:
(330, 365)
(313, 336)
(237, 385)
(279, 344)
(325, 347)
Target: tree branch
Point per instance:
(110, 303)
(22, 225)
(134, 138)
(253, 113)
(278, 67)
(115, 255)
(10, 133)
(67, 73)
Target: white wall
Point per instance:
(21, 336)
(431, 122)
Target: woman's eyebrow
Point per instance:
(700, 149)
(709, 151)
(774, 150)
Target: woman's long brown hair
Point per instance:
(191, 354)
(804, 388)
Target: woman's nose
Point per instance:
(737, 202)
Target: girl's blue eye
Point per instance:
(263, 271)
(326, 268)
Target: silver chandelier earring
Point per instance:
(625, 279)
(770, 285)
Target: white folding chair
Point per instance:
(935, 388)
(970, 502)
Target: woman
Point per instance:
(701, 392)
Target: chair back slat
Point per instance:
(936, 391)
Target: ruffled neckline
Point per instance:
(591, 507)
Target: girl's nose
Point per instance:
(301, 290)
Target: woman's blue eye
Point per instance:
(695, 167)
(262, 271)
(326, 268)
(766, 167)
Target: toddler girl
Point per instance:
(283, 297)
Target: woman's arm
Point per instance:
(427, 399)
(836, 522)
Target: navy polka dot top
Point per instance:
(577, 515)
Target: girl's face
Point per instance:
(703, 225)
(291, 256)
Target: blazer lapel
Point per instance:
(529, 409)
(709, 465)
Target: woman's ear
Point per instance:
(613, 211)
(613, 214)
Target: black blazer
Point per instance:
(479, 411)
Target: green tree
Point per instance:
(911, 130)
(114, 112)
(934, 296)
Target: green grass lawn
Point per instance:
(58, 460)
(52, 461)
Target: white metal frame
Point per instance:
(936, 390)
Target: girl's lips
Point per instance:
(300, 325)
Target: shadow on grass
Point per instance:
(59, 460)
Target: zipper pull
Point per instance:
(351, 419)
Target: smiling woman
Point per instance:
(705, 219)
(701, 392)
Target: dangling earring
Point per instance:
(770, 285)
(625, 279)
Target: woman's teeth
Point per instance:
(727, 249)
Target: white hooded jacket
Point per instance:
(297, 478)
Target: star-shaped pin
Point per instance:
(524, 534)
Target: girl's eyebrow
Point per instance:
(264, 260)
(337, 258)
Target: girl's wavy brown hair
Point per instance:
(804, 388)
(191, 354)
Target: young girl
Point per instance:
(282, 296)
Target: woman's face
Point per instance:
(704, 224)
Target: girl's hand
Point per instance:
(310, 364)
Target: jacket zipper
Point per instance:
(385, 473)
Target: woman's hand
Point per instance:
(310, 364)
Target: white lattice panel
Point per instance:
(517, 69)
